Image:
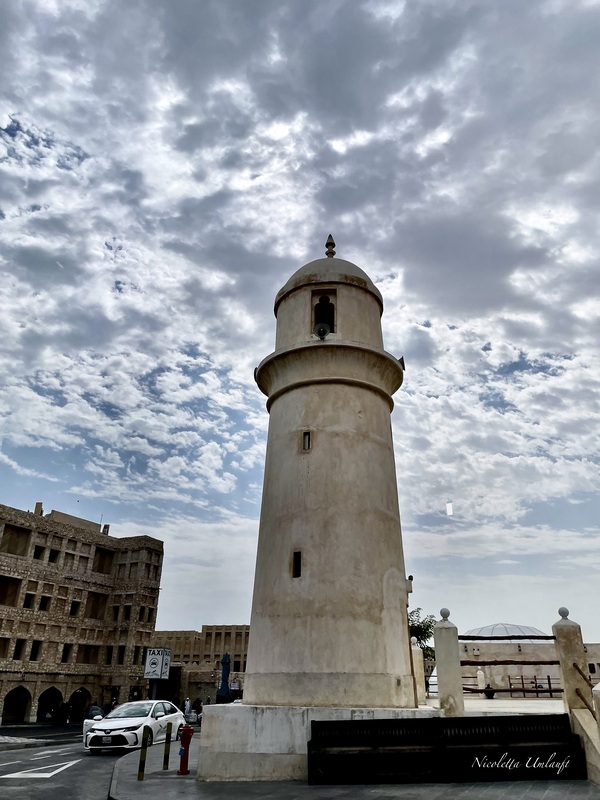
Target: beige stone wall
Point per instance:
(533, 673)
(198, 654)
(62, 585)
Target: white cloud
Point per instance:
(154, 198)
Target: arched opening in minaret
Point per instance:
(324, 312)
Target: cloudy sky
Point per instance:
(166, 165)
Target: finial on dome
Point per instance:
(330, 245)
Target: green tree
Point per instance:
(422, 629)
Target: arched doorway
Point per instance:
(78, 702)
(17, 706)
(48, 703)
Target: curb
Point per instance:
(113, 789)
(34, 743)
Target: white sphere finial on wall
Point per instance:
(564, 612)
(445, 613)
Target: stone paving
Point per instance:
(159, 784)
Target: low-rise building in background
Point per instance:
(77, 610)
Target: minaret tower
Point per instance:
(329, 624)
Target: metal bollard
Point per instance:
(167, 745)
(184, 751)
(143, 751)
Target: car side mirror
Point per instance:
(97, 717)
(159, 714)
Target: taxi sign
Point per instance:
(158, 661)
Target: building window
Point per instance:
(44, 603)
(592, 669)
(109, 655)
(38, 552)
(121, 654)
(115, 613)
(9, 590)
(296, 564)
(4, 642)
(53, 556)
(66, 653)
(136, 654)
(324, 311)
(103, 560)
(28, 601)
(95, 607)
(126, 613)
(18, 651)
(141, 613)
(306, 440)
(87, 654)
(84, 563)
(15, 540)
(74, 610)
(36, 650)
(150, 614)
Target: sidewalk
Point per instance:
(44, 738)
(161, 785)
(17, 742)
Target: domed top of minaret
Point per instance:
(329, 270)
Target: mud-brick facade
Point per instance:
(77, 610)
(196, 657)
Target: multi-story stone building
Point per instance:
(77, 609)
(196, 659)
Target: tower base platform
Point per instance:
(269, 743)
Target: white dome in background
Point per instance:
(505, 629)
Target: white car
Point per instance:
(93, 715)
(123, 727)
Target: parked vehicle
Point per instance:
(93, 714)
(123, 727)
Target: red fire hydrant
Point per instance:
(184, 751)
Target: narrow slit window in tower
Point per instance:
(306, 440)
(297, 564)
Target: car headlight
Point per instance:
(129, 730)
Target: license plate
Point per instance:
(107, 740)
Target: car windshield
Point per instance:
(130, 710)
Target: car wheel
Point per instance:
(150, 738)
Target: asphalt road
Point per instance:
(61, 772)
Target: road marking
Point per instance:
(49, 753)
(8, 763)
(37, 773)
